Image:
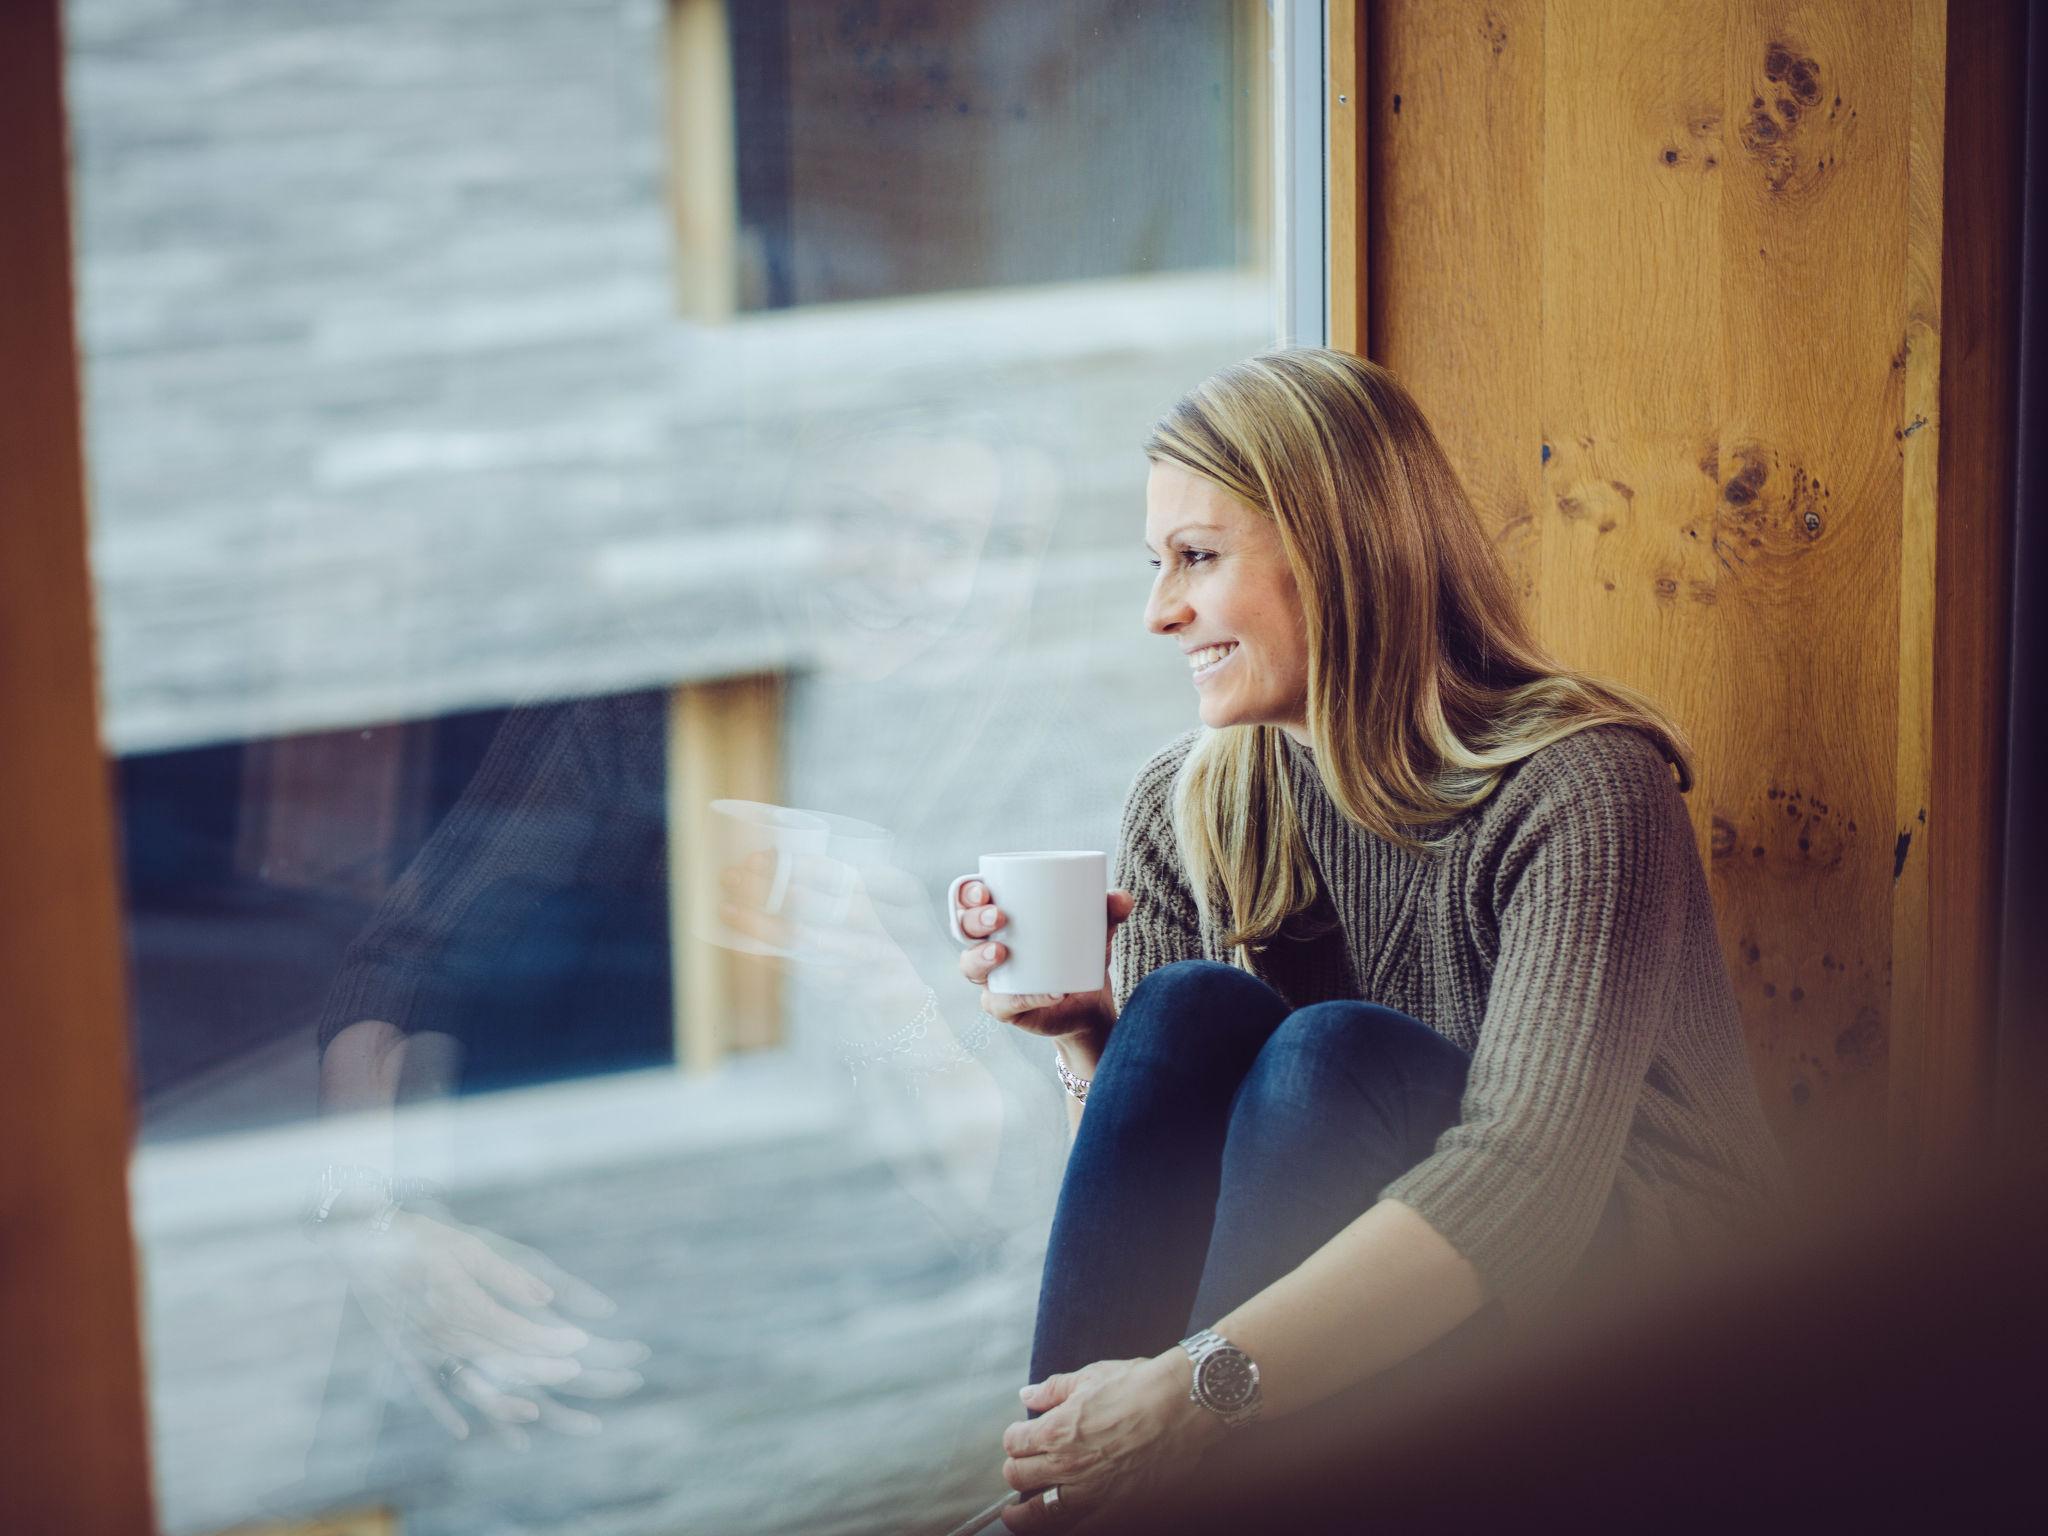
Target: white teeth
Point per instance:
(1210, 655)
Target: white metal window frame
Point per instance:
(1301, 174)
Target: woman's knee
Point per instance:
(1193, 1011)
(1356, 1047)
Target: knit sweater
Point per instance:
(1565, 940)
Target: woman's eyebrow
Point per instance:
(1190, 528)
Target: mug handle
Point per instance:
(960, 935)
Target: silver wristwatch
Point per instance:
(1226, 1378)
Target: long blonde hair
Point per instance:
(1425, 683)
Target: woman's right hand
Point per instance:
(1082, 1018)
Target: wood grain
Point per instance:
(1345, 112)
(1672, 282)
(77, 1458)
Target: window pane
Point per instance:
(559, 466)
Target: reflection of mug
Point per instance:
(742, 828)
(1056, 911)
(860, 847)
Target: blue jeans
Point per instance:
(1226, 1138)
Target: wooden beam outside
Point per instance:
(358, 1522)
(724, 742)
(703, 165)
(1346, 114)
(76, 1428)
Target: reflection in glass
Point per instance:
(517, 431)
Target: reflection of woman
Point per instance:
(1416, 1009)
(537, 910)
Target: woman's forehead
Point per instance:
(1177, 500)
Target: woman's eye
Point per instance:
(1189, 555)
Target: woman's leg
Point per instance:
(1135, 1208)
(1344, 1097)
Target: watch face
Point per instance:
(1229, 1380)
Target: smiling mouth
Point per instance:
(1203, 673)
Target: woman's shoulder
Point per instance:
(1603, 769)
(1149, 802)
(1160, 768)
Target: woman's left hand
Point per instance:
(1109, 1435)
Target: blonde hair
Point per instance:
(1425, 684)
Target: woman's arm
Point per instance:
(1386, 1287)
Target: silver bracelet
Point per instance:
(391, 1195)
(1076, 1086)
(918, 1065)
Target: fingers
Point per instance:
(429, 1392)
(599, 1383)
(474, 1386)
(613, 1354)
(1049, 1393)
(457, 1305)
(1028, 1474)
(1029, 1515)
(510, 1370)
(564, 1420)
(979, 919)
(501, 1274)
(572, 1294)
(976, 963)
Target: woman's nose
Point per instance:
(1164, 611)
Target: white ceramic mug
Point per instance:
(1056, 907)
(741, 828)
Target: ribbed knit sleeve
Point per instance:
(1163, 926)
(1587, 886)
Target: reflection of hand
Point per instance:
(834, 917)
(466, 1314)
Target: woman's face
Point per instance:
(1223, 582)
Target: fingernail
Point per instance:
(542, 1293)
(972, 893)
(1025, 1393)
(988, 951)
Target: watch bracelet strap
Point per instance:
(1199, 1346)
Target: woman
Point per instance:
(1415, 1006)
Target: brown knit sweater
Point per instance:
(1564, 939)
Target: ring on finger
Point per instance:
(448, 1370)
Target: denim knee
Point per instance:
(1360, 1049)
(1195, 1015)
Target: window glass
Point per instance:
(544, 455)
